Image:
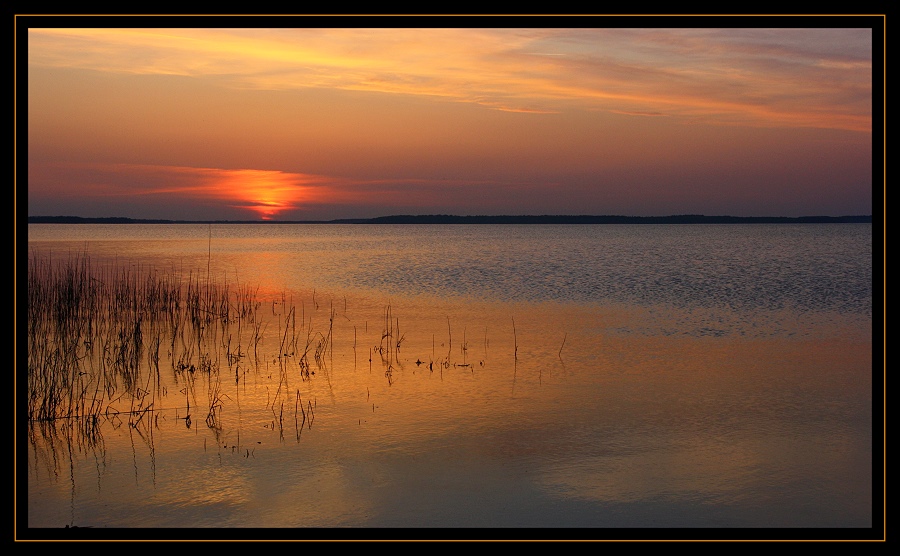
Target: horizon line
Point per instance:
(452, 218)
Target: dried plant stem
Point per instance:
(515, 341)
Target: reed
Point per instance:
(95, 333)
(515, 341)
(103, 340)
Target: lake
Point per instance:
(499, 381)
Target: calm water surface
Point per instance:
(591, 376)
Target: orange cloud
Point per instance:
(267, 193)
(758, 77)
(264, 194)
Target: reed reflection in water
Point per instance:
(192, 387)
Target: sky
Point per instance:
(313, 123)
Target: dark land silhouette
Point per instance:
(451, 219)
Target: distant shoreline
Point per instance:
(450, 219)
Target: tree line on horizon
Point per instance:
(482, 219)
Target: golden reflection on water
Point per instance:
(475, 407)
(724, 427)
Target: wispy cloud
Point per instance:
(255, 193)
(757, 77)
(263, 193)
(636, 113)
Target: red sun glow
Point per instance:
(266, 192)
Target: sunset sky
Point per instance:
(312, 123)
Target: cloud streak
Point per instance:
(253, 193)
(753, 77)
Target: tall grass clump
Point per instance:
(96, 333)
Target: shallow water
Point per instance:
(589, 376)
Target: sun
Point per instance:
(268, 210)
(268, 193)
